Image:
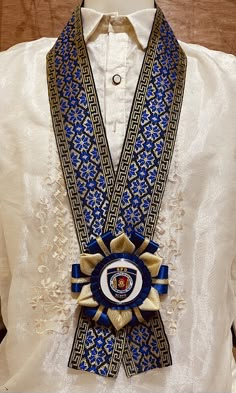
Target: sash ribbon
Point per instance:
(120, 277)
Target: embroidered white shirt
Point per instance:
(196, 227)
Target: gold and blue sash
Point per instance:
(119, 277)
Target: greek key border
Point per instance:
(64, 153)
(168, 148)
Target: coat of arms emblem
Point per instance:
(121, 282)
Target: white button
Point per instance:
(116, 79)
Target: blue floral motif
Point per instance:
(160, 46)
(97, 212)
(148, 145)
(154, 345)
(155, 69)
(83, 99)
(98, 227)
(103, 370)
(159, 95)
(145, 116)
(79, 128)
(74, 159)
(94, 154)
(82, 188)
(139, 186)
(94, 198)
(91, 185)
(142, 173)
(158, 148)
(162, 82)
(140, 334)
(120, 225)
(130, 227)
(88, 216)
(101, 182)
(152, 175)
(152, 131)
(84, 365)
(64, 105)
(90, 338)
(164, 120)
(135, 202)
(145, 204)
(74, 102)
(70, 89)
(109, 345)
(88, 171)
(68, 78)
(135, 352)
(60, 83)
(85, 156)
(169, 97)
(78, 74)
(82, 142)
(96, 356)
(153, 105)
(146, 159)
(88, 127)
(75, 115)
(69, 131)
(140, 227)
(126, 197)
(132, 170)
(139, 143)
(150, 91)
(161, 107)
(99, 342)
(148, 363)
(58, 61)
(144, 349)
(132, 215)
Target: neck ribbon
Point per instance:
(120, 277)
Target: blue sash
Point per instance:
(119, 276)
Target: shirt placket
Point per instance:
(115, 86)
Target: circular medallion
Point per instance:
(121, 281)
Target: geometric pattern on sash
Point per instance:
(129, 199)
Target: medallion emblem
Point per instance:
(121, 282)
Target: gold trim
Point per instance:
(142, 247)
(98, 313)
(103, 246)
(81, 280)
(160, 281)
(138, 314)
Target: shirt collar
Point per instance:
(141, 21)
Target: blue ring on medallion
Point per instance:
(101, 298)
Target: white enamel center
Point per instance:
(121, 263)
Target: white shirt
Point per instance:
(196, 227)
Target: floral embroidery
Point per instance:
(52, 303)
(166, 234)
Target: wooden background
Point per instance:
(211, 23)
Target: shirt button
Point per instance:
(116, 79)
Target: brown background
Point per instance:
(211, 23)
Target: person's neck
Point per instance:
(123, 7)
